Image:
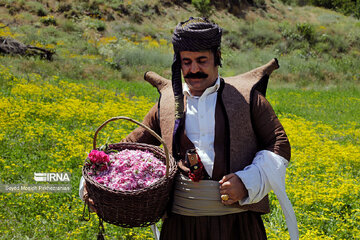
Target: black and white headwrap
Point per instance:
(195, 34)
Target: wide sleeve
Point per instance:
(141, 135)
(272, 137)
(268, 129)
(267, 172)
(268, 169)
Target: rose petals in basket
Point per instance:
(131, 170)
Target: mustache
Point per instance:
(196, 75)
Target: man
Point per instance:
(224, 135)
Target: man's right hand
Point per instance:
(88, 200)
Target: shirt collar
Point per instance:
(207, 91)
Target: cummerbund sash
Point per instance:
(199, 198)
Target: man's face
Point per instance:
(199, 70)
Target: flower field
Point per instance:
(47, 126)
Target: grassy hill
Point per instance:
(101, 40)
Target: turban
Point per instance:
(195, 34)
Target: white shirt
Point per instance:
(200, 123)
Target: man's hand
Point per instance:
(232, 186)
(88, 200)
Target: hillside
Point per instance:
(100, 40)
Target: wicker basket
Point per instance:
(133, 208)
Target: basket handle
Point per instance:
(142, 125)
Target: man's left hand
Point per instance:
(232, 186)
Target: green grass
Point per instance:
(336, 107)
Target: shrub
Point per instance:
(70, 26)
(125, 54)
(333, 44)
(127, 73)
(203, 7)
(99, 25)
(357, 9)
(262, 33)
(135, 12)
(354, 39)
(289, 32)
(348, 7)
(48, 20)
(340, 44)
(323, 47)
(301, 36)
(13, 10)
(345, 6)
(306, 31)
(91, 7)
(233, 40)
(41, 12)
(136, 18)
(37, 8)
(140, 57)
(64, 7)
(294, 2)
(73, 13)
(260, 4)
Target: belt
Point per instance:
(200, 198)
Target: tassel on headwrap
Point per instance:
(177, 86)
(195, 34)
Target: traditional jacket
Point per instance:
(244, 123)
